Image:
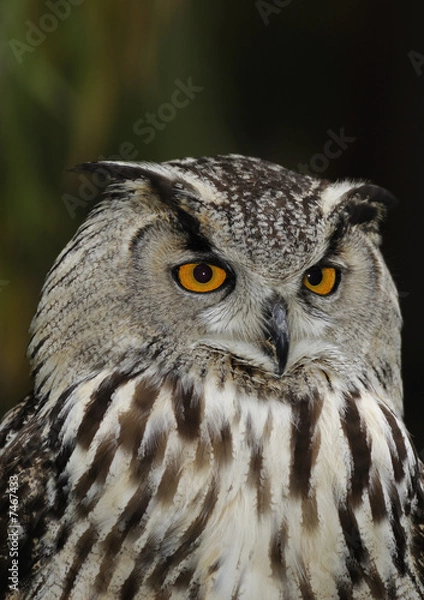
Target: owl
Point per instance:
(217, 399)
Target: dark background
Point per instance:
(278, 79)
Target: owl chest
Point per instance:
(229, 499)
(172, 495)
(227, 496)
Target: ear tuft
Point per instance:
(364, 206)
(367, 206)
(155, 176)
(375, 195)
(112, 170)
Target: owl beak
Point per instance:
(277, 335)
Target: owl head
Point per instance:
(228, 260)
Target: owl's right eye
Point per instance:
(200, 277)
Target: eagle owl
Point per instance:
(217, 402)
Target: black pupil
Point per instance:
(202, 273)
(314, 276)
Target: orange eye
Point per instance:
(321, 280)
(201, 277)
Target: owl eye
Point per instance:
(321, 280)
(200, 277)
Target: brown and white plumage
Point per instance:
(237, 443)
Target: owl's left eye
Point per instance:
(321, 280)
(200, 277)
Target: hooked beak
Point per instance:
(276, 343)
(268, 352)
